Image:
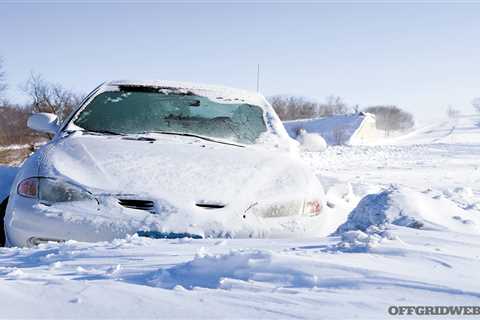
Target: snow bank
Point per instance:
(7, 174)
(359, 241)
(344, 129)
(404, 207)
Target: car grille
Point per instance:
(210, 206)
(145, 205)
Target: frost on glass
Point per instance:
(139, 112)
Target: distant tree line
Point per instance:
(476, 104)
(454, 113)
(293, 107)
(388, 117)
(391, 118)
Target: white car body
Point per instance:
(163, 183)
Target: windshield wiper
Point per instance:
(113, 133)
(195, 136)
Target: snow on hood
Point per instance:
(182, 171)
(179, 172)
(177, 168)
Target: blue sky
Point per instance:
(421, 57)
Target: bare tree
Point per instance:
(391, 118)
(476, 104)
(13, 129)
(49, 97)
(340, 135)
(293, 107)
(3, 83)
(279, 104)
(334, 105)
(452, 112)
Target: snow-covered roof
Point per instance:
(213, 92)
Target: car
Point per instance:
(160, 159)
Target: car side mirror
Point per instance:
(43, 122)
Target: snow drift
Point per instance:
(218, 271)
(408, 208)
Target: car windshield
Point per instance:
(145, 110)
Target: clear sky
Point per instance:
(421, 57)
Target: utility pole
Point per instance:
(258, 77)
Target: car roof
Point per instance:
(213, 92)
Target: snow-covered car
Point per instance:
(161, 159)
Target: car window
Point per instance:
(133, 112)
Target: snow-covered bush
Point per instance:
(312, 142)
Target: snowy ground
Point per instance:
(412, 241)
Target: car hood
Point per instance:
(181, 170)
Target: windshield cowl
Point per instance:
(206, 138)
(153, 136)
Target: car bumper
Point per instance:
(27, 224)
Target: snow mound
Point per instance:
(409, 208)
(311, 141)
(359, 241)
(219, 271)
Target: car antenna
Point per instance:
(258, 77)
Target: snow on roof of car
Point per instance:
(213, 92)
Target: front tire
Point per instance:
(3, 209)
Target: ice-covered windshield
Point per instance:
(148, 110)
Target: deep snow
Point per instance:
(407, 221)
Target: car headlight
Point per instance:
(276, 208)
(51, 190)
(286, 208)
